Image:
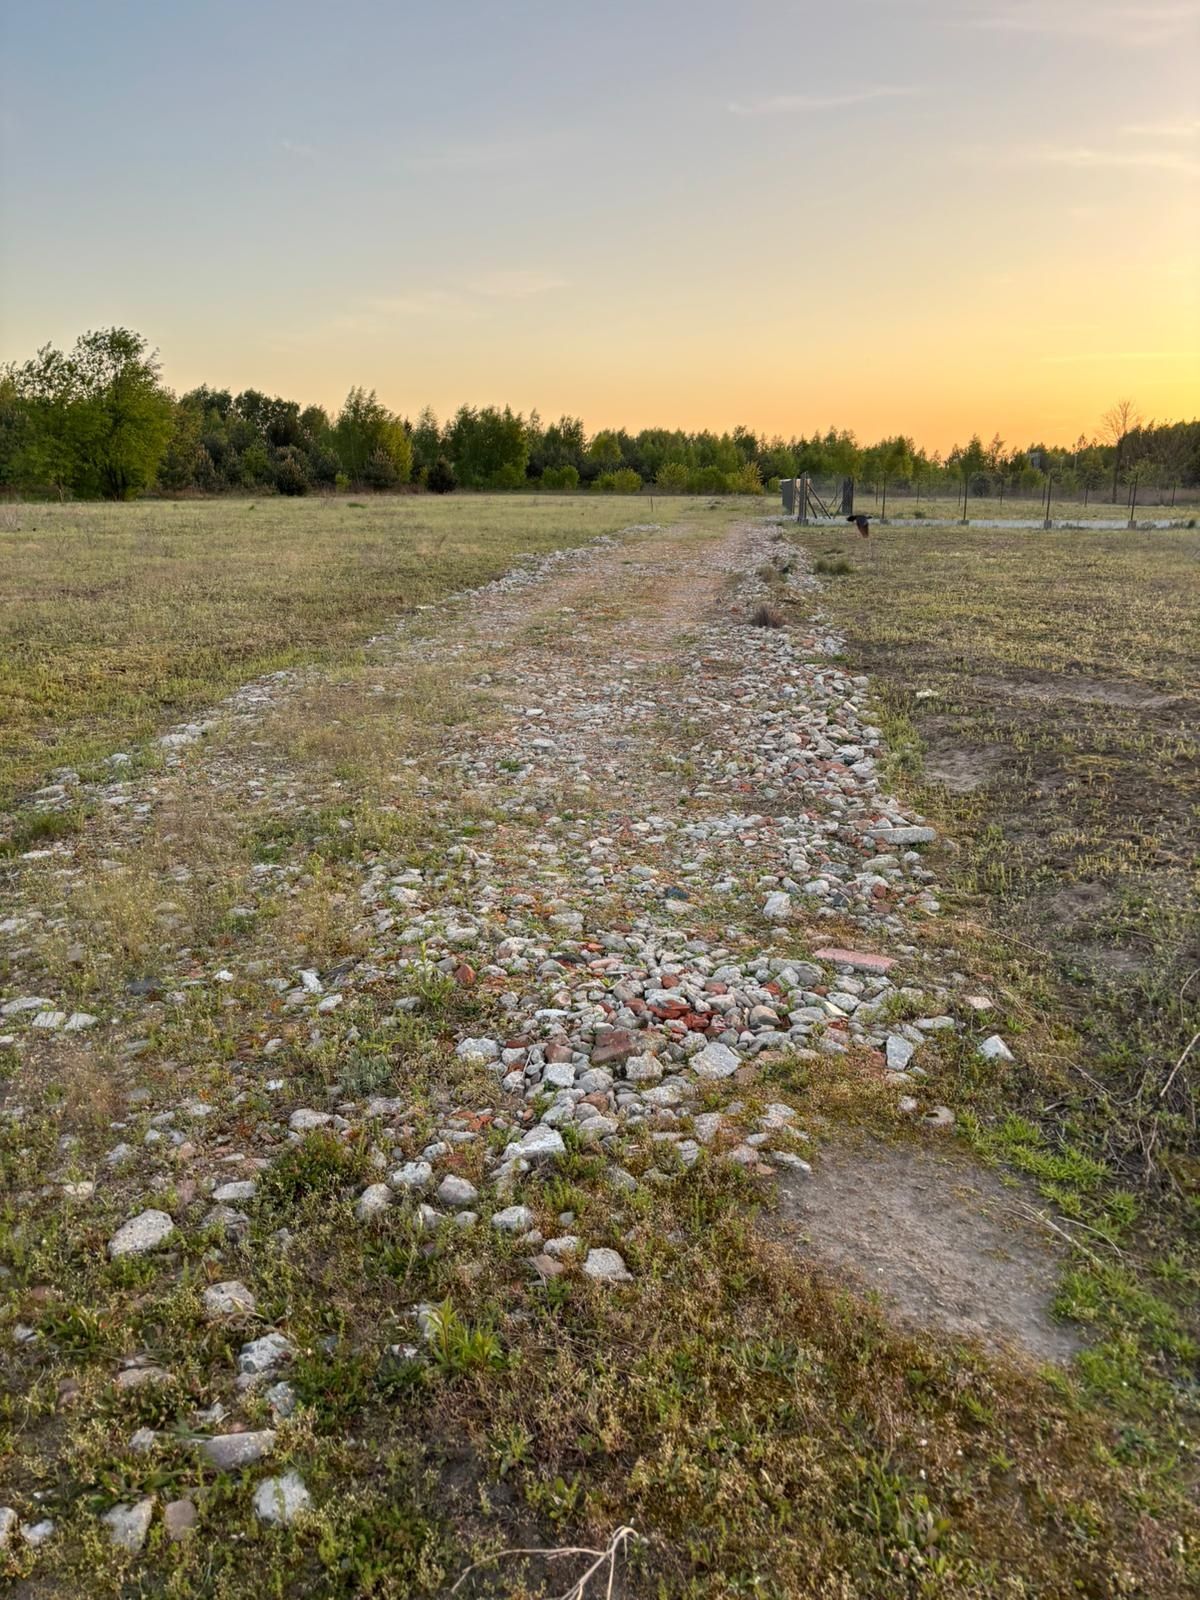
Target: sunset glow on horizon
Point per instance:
(935, 218)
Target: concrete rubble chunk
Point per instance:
(128, 1525)
(179, 1518)
(373, 1201)
(456, 1192)
(606, 1266)
(715, 1061)
(228, 1299)
(229, 1452)
(861, 961)
(141, 1234)
(281, 1500)
(994, 1048)
(542, 1143)
(305, 1120)
(513, 1219)
(263, 1356)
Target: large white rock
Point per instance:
(715, 1061)
(262, 1356)
(412, 1176)
(128, 1525)
(479, 1049)
(607, 1266)
(995, 1049)
(513, 1219)
(374, 1199)
(141, 1234)
(279, 1500)
(228, 1299)
(456, 1192)
(542, 1142)
(238, 1189)
(305, 1120)
(230, 1451)
(899, 1051)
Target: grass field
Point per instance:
(1040, 696)
(117, 620)
(772, 1435)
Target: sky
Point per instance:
(932, 217)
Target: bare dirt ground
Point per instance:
(942, 1243)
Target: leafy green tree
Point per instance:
(96, 421)
(426, 441)
(604, 452)
(489, 448)
(672, 478)
(562, 444)
(371, 442)
(44, 443)
(124, 415)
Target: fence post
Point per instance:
(1133, 500)
(1049, 491)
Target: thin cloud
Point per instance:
(780, 105)
(1124, 24)
(418, 303)
(1085, 158)
(1187, 128)
(306, 152)
(518, 284)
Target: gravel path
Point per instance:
(666, 853)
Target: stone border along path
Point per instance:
(661, 767)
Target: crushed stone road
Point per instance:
(666, 852)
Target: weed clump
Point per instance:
(321, 1164)
(767, 616)
(837, 568)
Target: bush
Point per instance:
(708, 480)
(380, 471)
(623, 481)
(440, 478)
(672, 478)
(509, 476)
(560, 478)
(291, 472)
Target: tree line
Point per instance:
(98, 421)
